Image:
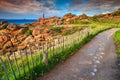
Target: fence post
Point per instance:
(63, 42)
(10, 64)
(39, 54)
(27, 59)
(81, 35)
(50, 49)
(23, 66)
(3, 65)
(16, 63)
(31, 56)
(45, 55)
(58, 43)
(53, 47)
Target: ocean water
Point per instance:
(19, 21)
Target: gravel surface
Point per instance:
(94, 61)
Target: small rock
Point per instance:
(4, 22)
(93, 74)
(102, 53)
(95, 70)
(97, 61)
(95, 66)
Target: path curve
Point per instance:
(94, 61)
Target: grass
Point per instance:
(117, 42)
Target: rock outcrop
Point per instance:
(13, 37)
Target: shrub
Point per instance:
(57, 29)
(28, 32)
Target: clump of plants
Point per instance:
(28, 32)
(117, 41)
(57, 29)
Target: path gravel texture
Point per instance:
(94, 61)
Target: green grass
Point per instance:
(117, 42)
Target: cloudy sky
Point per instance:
(32, 9)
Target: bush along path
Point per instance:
(117, 42)
(94, 61)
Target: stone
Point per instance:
(21, 46)
(4, 22)
(3, 26)
(7, 45)
(13, 27)
(14, 41)
(18, 32)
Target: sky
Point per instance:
(33, 9)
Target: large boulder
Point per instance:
(68, 16)
(21, 37)
(4, 22)
(15, 41)
(18, 32)
(83, 16)
(21, 46)
(3, 26)
(4, 37)
(28, 41)
(13, 27)
(7, 45)
(37, 31)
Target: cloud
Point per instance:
(28, 6)
(105, 12)
(92, 5)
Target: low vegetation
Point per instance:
(117, 41)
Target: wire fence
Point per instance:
(21, 62)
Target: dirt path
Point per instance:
(94, 61)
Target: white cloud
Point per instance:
(27, 6)
(105, 12)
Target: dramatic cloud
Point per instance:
(33, 8)
(27, 6)
(90, 5)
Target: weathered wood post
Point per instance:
(39, 54)
(23, 66)
(10, 64)
(32, 60)
(63, 42)
(45, 54)
(26, 54)
(15, 59)
(5, 70)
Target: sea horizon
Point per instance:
(19, 21)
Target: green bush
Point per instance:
(28, 32)
(117, 42)
(57, 29)
(117, 37)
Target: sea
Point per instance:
(19, 21)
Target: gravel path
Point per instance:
(94, 61)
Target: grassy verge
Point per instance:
(117, 42)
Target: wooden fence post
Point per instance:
(26, 54)
(16, 63)
(45, 55)
(31, 57)
(5, 70)
(23, 66)
(39, 54)
(53, 48)
(50, 49)
(10, 64)
(63, 42)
